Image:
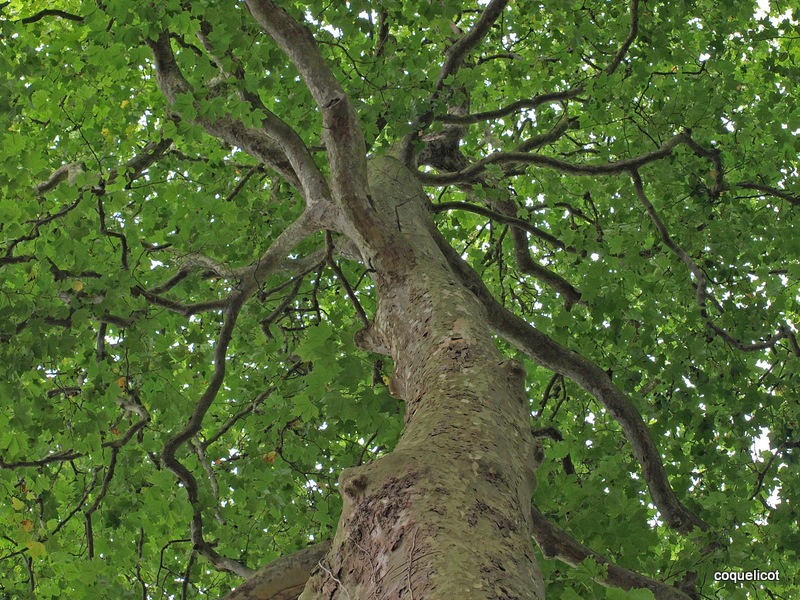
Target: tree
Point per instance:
(326, 288)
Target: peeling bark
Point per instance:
(447, 513)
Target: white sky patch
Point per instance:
(761, 444)
(763, 10)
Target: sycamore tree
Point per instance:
(303, 300)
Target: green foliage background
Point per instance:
(300, 403)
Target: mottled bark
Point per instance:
(447, 513)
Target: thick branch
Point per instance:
(344, 140)
(193, 426)
(341, 130)
(454, 58)
(282, 245)
(65, 456)
(315, 186)
(15, 260)
(255, 142)
(556, 164)
(283, 578)
(69, 172)
(551, 355)
(528, 265)
(557, 543)
(135, 167)
(191, 262)
(178, 307)
(455, 55)
(623, 49)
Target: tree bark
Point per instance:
(447, 513)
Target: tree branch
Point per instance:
(191, 429)
(191, 262)
(770, 191)
(557, 543)
(238, 416)
(284, 577)
(50, 12)
(506, 220)
(64, 456)
(87, 515)
(69, 171)
(612, 168)
(455, 54)
(186, 310)
(454, 57)
(530, 104)
(258, 143)
(528, 265)
(15, 260)
(115, 234)
(345, 284)
(521, 252)
(546, 352)
(342, 133)
(279, 248)
(623, 49)
(715, 156)
(701, 286)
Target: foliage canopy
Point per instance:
(623, 176)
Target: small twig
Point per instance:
(240, 186)
(139, 553)
(366, 447)
(187, 574)
(32, 579)
(107, 232)
(346, 284)
(547, 392)
(203, 460)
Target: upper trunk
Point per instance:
(447, 513)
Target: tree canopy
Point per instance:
(184, 266)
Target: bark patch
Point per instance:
(481, 510)
(379, 529)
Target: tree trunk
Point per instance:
(447, 513)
